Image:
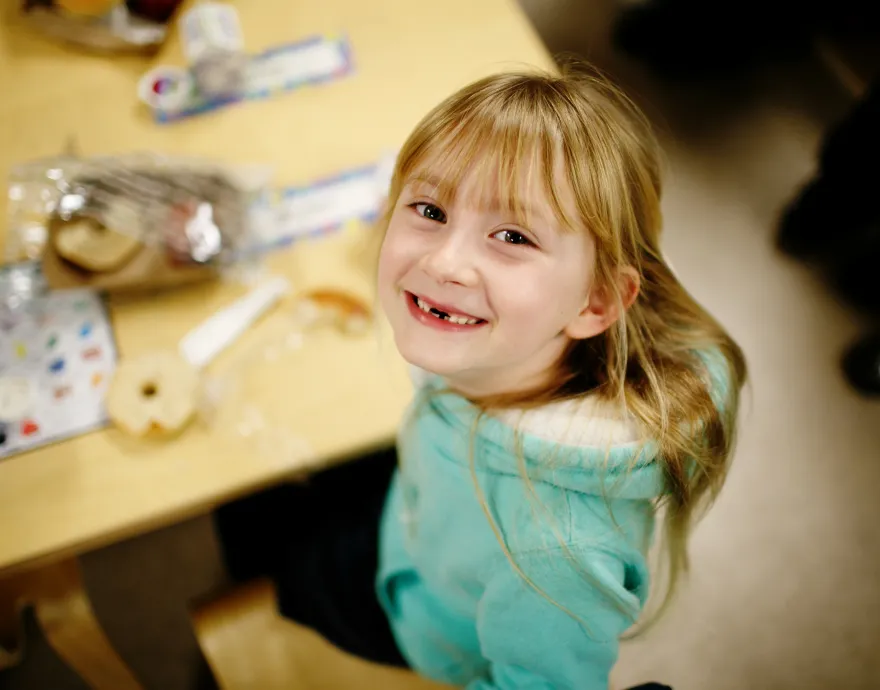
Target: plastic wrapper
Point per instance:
(246, 399)
(234, 402)
(214, 48)
(112, 29)
(218, 69)
(140, 221)
(331, 309)
(21, 286)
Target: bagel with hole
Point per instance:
(153, 394)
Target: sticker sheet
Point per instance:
(55, 364)
(278, 70)
(326, 205)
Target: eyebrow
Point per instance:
(528, 212)
(433, 182)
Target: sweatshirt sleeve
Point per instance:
(533, 644)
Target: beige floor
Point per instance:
(785, 591)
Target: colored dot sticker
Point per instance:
(62, 392)
(85, 330)
(29, 427)
(97, 378)
(20, 350)
(51, 342)
(166, 88)
(57, 366)
(91, 353)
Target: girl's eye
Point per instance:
(513, 237)
(430, 212)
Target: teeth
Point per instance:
(453, 318)
(422, 305)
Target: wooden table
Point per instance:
(343, 396)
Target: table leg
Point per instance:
(66, 617)
(11, 632)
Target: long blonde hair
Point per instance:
(652, 362)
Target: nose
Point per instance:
(452, 258)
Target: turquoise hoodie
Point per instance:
(460, 612)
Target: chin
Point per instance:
(438, 363)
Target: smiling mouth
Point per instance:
(458, 319)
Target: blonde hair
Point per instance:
(653, 361)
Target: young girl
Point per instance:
(569, 388)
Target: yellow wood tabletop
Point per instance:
(338, 395)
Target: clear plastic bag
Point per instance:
(132, 221)
(332, 311)
(240, 404)
(116, 31)
(21, 287)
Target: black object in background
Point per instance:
(834, 224)
(861, 365)
(833, 220)
(155, 10)
(698, 39)
(694, 38)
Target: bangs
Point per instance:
(509, 147)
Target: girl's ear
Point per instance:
(602, 309)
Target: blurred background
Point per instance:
(769, 114)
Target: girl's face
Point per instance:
(485, 302)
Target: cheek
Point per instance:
(386, 263)
(389, 255)
(396, 257)
(387, 278)
(539, 305)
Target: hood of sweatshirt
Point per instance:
(584, 444)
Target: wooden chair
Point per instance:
(66, 617)
(248, 645)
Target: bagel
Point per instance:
(97, 246)
(157, 393)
